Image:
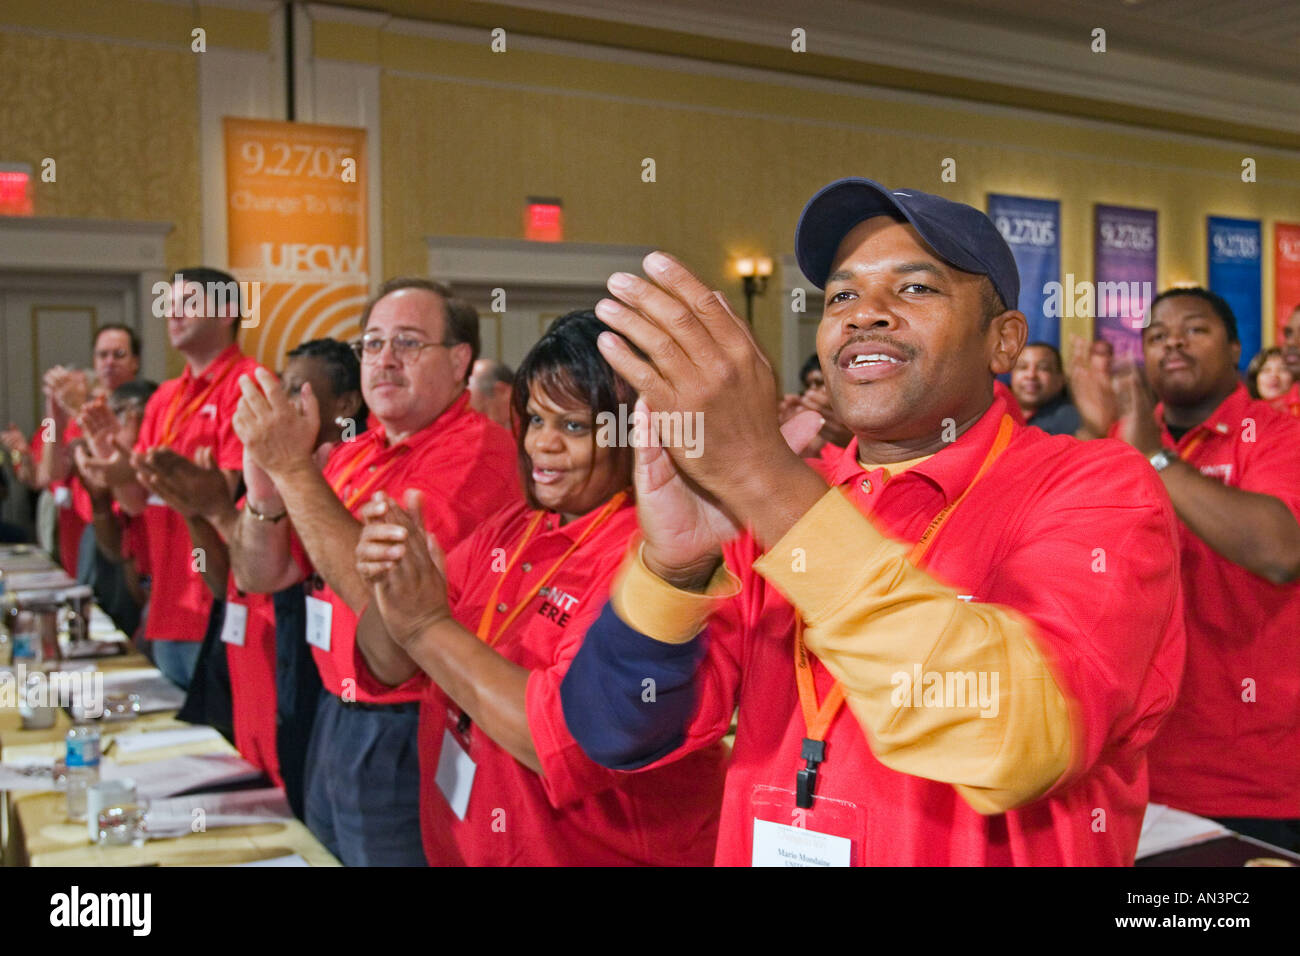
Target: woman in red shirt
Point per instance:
(494, 627)
(1267, 377)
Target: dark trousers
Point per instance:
(363, 783)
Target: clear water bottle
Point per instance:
(83, 767)
(25, 642)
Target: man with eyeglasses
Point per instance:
(417, 347)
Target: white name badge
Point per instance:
(320, 618)
(63, 496)
(776, 844)
(235, 626)
(455, 774)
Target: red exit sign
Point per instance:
(15, 189)
(544, 220)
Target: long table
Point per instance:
(38, 833)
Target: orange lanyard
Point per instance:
(484, 629)
(170, 425)
(371, 483)
(1192, 445)
(818, 720)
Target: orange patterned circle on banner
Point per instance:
(297, 229)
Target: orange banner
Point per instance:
(297, 227)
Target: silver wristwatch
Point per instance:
(1162, 459)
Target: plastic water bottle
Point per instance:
(83, 767)
(25, 641)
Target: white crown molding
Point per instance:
(1027, 61)
(82, 245)
(474, 261)
(256, 6)
(679, 64)
(327, 13)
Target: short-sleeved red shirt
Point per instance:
(252, 680)
(463, 462)
(186, 414)
(576, 813)
(1081, 540)
(73, 500)
(1289, 401)
(1013, 407)
(1231, 747)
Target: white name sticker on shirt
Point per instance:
(63, 496)
(320, 618)
(235, 626)
(776, 844)
(455, 774)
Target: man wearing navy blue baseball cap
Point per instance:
(996, 606)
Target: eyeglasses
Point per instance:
(370, 347)
(118, 354)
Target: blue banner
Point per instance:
(1235, 247)
(1032, 228)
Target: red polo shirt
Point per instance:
(73, 500)
(250, 657)
(186, 414)
(1231, 747)
(1013, 407)
(1289, 402)
(575, 813)
(1026, 538)
(464, 463)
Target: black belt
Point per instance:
(408, 707)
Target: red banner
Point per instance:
(1286, 274)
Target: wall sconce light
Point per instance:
(754, 272)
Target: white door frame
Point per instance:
(80, 247)
(533, 275)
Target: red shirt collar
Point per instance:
(227, 355)
(953, 468)
(574, 528)
(1224, 420)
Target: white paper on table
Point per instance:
(157, 779)
(27, 773)
(156, 692)
(1164, 829)
(37, 580)
(293, 859)
(140, 741)
(178, 816)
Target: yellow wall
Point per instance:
(467, 134)
(120, 122)
(118, 113)
(111, 91)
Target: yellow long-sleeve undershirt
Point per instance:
(870, 616)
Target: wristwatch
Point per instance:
(1162, 459)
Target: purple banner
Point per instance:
(1124, 277)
